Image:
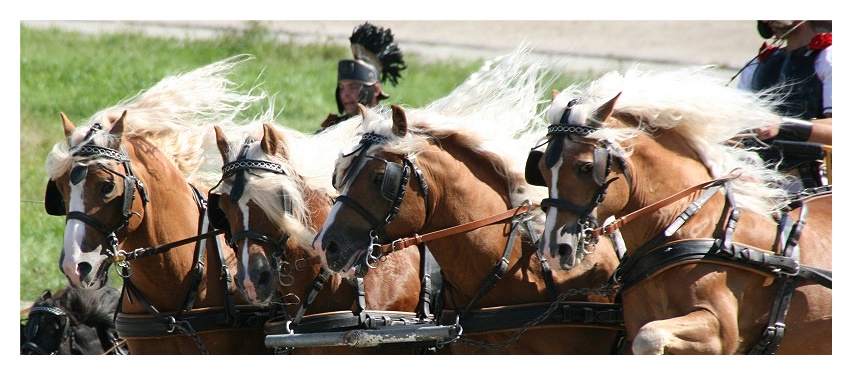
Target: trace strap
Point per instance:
(615, 225)
(417, 239)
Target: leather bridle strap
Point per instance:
(618, 223)
(417, 239)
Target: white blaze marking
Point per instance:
(550, 218)
(75, 233)
(247, 283)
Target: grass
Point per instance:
(80, 74)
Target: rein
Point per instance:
(122, 256)
(417, 239)
(618, 223)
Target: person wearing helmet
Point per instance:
(376, 59)
(796, 68)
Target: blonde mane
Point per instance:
(175, 115)
(696, 105)
(491, 113)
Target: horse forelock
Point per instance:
(699, 107)
(60, 159)
(280, 196)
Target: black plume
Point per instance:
(379, 41)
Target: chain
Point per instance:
(186, 328)
(606, 290)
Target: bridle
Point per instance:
(394, 185)
(604, 154)
(131, 184)
(108, 340)
(238, 168)
(31, 330)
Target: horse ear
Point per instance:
(400, 123)
(270, 144)
(222, 143)
(603, 112)
(118, 126)
(67, 125)
(553, 95)
(363, 110)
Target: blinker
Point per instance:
(554, 152)
(78, 173)
(239, 186)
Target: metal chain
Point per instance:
(606, 290)
(186, 328)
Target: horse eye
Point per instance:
(586, 168)
(107, 188)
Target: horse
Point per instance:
(721, 261)
(275, 191)
(74, 321)
(453, 181)
(129, 180)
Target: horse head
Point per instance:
(260, 205)
(590, 168)
(372, 181)
(94, 186)
(76, 321)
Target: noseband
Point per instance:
(395, 174)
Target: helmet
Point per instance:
(376, 59)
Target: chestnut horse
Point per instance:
(123, 182)
(274, 194)
(722, 261)
(452, 172)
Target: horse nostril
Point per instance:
(331, 249)
(565, 248)
(264, 278)
(84, 269)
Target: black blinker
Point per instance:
(554, 152)
(531, 172)
(78, 173)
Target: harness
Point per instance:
(107, 337)
(157, 324)
(469, 318)
(299, 323)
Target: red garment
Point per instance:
(820, 42)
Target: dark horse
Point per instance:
(75, 321)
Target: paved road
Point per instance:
(587, 46)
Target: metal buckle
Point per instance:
(397, 241)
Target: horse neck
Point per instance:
(172, 214)
(664, 166)
(464, 187)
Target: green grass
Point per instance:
(80, 74)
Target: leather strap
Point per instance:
(618, 223)
(417, 239)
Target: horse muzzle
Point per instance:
(560, 248)
(87, 270)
